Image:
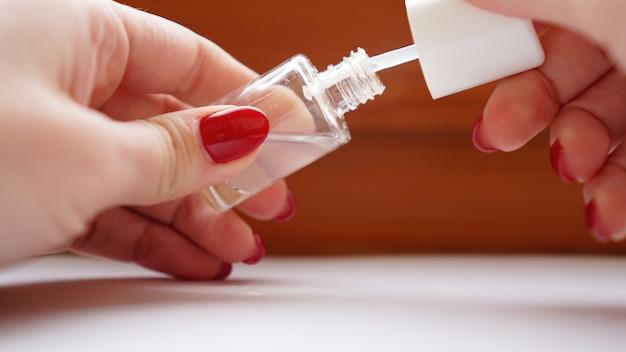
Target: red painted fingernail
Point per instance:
(289, 211)
(598, 231)
(233, 133)
(558, 164)
(224, 272)
(260, 251)
(477, 139)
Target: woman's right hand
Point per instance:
(580, 92)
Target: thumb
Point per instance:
(603, 22)
(176, 154)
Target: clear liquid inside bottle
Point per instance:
(305, 110)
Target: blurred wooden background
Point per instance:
(411, 180)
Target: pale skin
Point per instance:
(99, 144)
(579, 94)
(100, 152)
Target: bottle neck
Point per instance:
(349, 84)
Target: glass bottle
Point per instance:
(305, 109)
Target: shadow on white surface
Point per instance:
(34, 301)
(365, 304)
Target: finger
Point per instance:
(198, 71)
(602, 22)
(123, 235)
(523, 105)
(588, 128)
(606, 199)
(127, 106)
(579, 145)
(274, 203)
(287, 114)
(224, 235)
(607, 101)
(176, 154)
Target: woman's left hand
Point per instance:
(100, 146)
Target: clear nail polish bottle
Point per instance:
(459, 47)
(305, 109)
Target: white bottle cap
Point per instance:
(461, 46)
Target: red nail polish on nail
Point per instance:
(233, 133)
(224, 272)
(260, 251)
(591, 214)
(289, 211)
(477, 139)
(558, 164)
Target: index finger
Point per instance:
(165, 57)
(523, 105)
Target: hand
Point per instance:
(580, 92)
(100, 145)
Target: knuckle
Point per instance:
(178, 148)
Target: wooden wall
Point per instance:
(410, 181)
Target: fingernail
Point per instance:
(477, 139)
(233, 133)
(558, 164)
(598, 231)
(289, 211)
(260, 251)
(224, 272)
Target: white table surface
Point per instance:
(341, 304)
